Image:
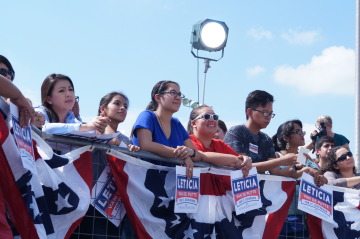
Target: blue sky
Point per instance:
(302, 52)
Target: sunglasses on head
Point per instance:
(344, 156)
(5, 72)
(208, 116)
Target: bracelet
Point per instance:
(194, 153)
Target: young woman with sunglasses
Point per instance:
(157, 131)
(202, 126)
(341, 168)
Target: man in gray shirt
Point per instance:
(249, 140)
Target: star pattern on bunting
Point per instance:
(164, 201)
(189, 233)
(63, 202)
(176, 221)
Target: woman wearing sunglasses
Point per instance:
(202, 126)
(341, 168)
(157, 131)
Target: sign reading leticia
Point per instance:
(317, 201)
(246, 191)
(23, 138)
(187, 191)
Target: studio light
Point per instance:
(209, 35)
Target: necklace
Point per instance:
(162, 126)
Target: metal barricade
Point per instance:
(295, 226)
(96, 226)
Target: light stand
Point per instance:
(210, 36)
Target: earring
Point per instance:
(287, 146)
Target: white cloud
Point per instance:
(259, 33)
(254, 71)
(297, 37)
(333, 71)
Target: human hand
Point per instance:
(133, 148)
(99, 123)
(26, 111)
(183, 152)
(244, 163)
(320, 180)
(189, 164)
(114, 141)
(38, 120)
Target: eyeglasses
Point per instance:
(174, 93)
(344, 156)
(77, 98)
(208, 116)
(265, 114)
(5, 72)
(299, 132)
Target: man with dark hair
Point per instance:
(6, 68)
(322, 149)
(249, 140)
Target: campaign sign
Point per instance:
(187, 191)
(246, 191)
(315, 200)
(105, 198)
(22, 137)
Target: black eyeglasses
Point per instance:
(208, 116)
(265, 114)
(174, 93)
(77, 98)
(5, 72)
(299, 132)
(344, 156)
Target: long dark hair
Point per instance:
(284, 130)
(193, 114)
(106, 99)
(158, 88)
(47, 88)
(332, 160)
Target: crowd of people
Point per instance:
(206, 138)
